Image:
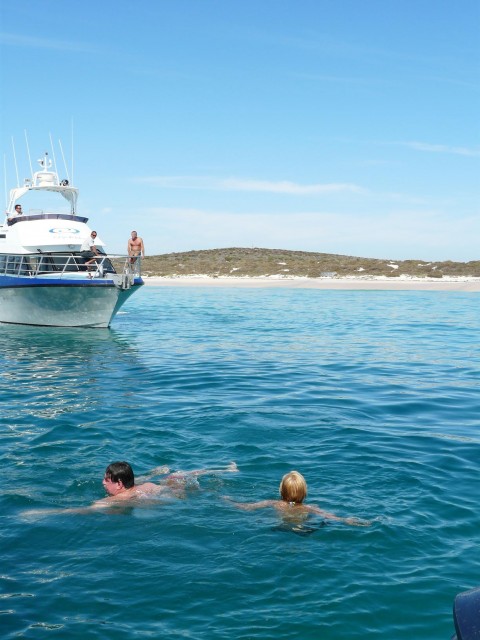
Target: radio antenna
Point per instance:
(5, 178)
(53, 154)
(28, 152)
(63, 156)
(15, 161)
(72, 153)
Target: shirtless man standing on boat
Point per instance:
(135, 246)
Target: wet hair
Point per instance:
(121, 471)
(293, 487)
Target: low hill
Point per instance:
(237, 262)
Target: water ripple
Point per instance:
(372, 395)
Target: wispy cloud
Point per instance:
(350, 80)
(442, 148)
(245, 184)
(17, 40)
(327, 45)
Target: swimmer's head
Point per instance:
(293, 487)
(120, 472)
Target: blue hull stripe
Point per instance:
(16, 283)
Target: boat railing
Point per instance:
(59, 265)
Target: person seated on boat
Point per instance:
(18, 211)
(293, 491)
(88, 250)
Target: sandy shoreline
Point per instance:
(346, 284)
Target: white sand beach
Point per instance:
(346, 284)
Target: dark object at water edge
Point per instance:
(466, 615)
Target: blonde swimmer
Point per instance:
(293, 491)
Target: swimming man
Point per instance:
(119, 483)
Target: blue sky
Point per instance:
(340, 126)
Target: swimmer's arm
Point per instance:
(251, 506)
(158, 471)
(100, 505)
(112, 502)
(355, 522)
(50, 512)
(231, 468)
(103, 503)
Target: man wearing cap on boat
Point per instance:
(88, 249)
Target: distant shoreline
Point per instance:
(463, 284)
(282, 267)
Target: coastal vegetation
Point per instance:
(255, 262)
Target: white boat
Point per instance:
(43, 278)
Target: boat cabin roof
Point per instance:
(44, 180)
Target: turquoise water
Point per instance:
(373, 396)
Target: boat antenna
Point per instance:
(28, 151)
(15, 161)
(72, 152)
(5, 178)
(53, 154)
(63, 156)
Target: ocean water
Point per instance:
(373, 396)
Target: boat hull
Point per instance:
(66, 304)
